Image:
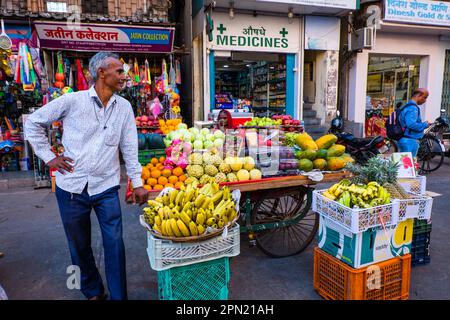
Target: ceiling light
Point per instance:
(248, 65)
(290, 15)
(225, 66)
(231, 10)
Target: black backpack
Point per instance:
(394, 129)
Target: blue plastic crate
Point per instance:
(201, 281)
(420, 249)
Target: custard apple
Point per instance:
(211, 170)
(195, 171)
(225, 168)
(207, 158)
(196, 158)
(206, 179)
(232, 177)
(221, 177)
(217, 160)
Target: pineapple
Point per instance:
(382, 171)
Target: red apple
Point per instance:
(138, 118)
(144, 118)
(138, 123)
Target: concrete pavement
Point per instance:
(36, 254)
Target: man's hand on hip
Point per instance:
(61, 164)
(140, 194)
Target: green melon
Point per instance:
(310, 154)
(305, 165)
(155, 141)
(322, 154)
(141, 141)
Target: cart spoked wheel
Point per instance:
(289, 206)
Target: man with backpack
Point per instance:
(405, 124)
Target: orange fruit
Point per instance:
(182, 178)
(162, 180)
(152, 182)
(147, 187)
(158, 187)
(173, 179)
(156, 174)
(166, 173)
(160, 166)
(145, 173)
(178, 184)
(154, 161)
(169, 185)
(177, 171)
(162, 159)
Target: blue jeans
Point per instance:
(408, 145)
(75, 212)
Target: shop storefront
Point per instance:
(60, 65)
(255, 63)
(411, 40)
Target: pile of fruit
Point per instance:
(287, 159)
(263, 122)
(190, 212)
(199, 139)
(156, 176)
(287, 122)
(322, 154)
(167, 126)
(358, 196)
(210, 167)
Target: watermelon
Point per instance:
(155, 141)
(141, 141)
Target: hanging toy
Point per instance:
(178, 71)
(59, 75)
(66, 90)
(4, 64)
(165, 76)
(136, 72)
(148, 77)
(81, 80)
(156, 108)
(39, 68)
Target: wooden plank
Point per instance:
(278, 182)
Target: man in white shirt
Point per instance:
(96, 124)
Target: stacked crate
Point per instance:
(420, 248)
(194, 270)
(365, 253)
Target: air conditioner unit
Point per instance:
(362, 39)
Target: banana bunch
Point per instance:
(358, 196)
(185, 213)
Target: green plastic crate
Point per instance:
(421, 226)
(200, 281)
(145, 156)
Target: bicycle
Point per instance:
(431, 153)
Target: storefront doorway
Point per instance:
(391, 80)
(255, 82)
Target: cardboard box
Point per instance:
(368, 247)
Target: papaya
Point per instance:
(305, 142)
(322, 154)
(335, 164)
(347, 158)
(300, 155)
(326, 141)
(305, 165)
(320, 164)
(336, 151)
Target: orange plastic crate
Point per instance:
(336, 280)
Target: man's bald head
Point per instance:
(420, 96)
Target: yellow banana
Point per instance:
(200, 218)
(174, 227)
(157, 228)
(185, 218)
(163, 227)
(184, 230)
(200, 229)
(173, 195)
(193, 228)
(210, 221)
(169, 229)
(199, 200)
(216, 197)
(158, 221)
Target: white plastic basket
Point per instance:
(415, 185)
(355, 220)
(166, 254)
(418, 207)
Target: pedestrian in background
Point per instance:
(411, 122)
(97, 123)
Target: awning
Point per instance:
(302, 7)
(104, 37)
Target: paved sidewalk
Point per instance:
(36, 254)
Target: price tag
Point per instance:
(225, 233)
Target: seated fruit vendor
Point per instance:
(97, 123)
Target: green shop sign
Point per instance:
(246, 32)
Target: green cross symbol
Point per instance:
(283, 32)
(221, 28)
